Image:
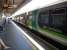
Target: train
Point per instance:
(49, 21)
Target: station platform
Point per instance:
(15, 39)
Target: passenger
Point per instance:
(4, 22)
(1, 28)
(1, 24)
(8, 20)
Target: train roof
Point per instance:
(56, 6)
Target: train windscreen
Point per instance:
(29, 20)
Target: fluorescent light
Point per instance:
(35, 4)
(30, 38)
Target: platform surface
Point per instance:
(13, 38)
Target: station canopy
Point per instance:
(8, 7)
(35, 4)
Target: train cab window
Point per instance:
(30, 17)
(17, 19)
(21, 19)
(43, 19)
(29, 20)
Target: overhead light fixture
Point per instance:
(35, 4)
(14, 6)
(5, 5)
(10, 6)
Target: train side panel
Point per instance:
(34, 19)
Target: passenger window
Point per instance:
(58, 17)
(43, 20)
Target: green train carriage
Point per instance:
(50, 21)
